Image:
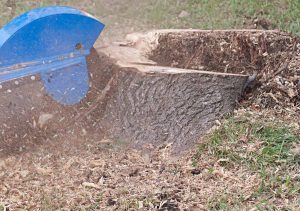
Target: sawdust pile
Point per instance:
(117, 180)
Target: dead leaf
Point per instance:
(68, 164)
(24, 173)
(141, 204)
(97, 163)
(105, 141)
(44, 118)
(183, 14)
(43, 171)
(254, 147)
(291, 93)
(244, 138)
(223, 160)
(296, 150)
(91, 185)
(2, 164)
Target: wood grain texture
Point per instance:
(152, 104)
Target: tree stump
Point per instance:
(153, 104)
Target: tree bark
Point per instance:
(151, 104)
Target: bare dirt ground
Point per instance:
(76, 174)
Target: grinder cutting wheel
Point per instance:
(52, 42)
(45, 79)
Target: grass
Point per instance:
(255, 145)
(284, 14)
(204, 14)
(265, 148)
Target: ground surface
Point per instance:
(249, 162)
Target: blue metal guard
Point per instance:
(53, 42)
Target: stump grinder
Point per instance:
(51, 42)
